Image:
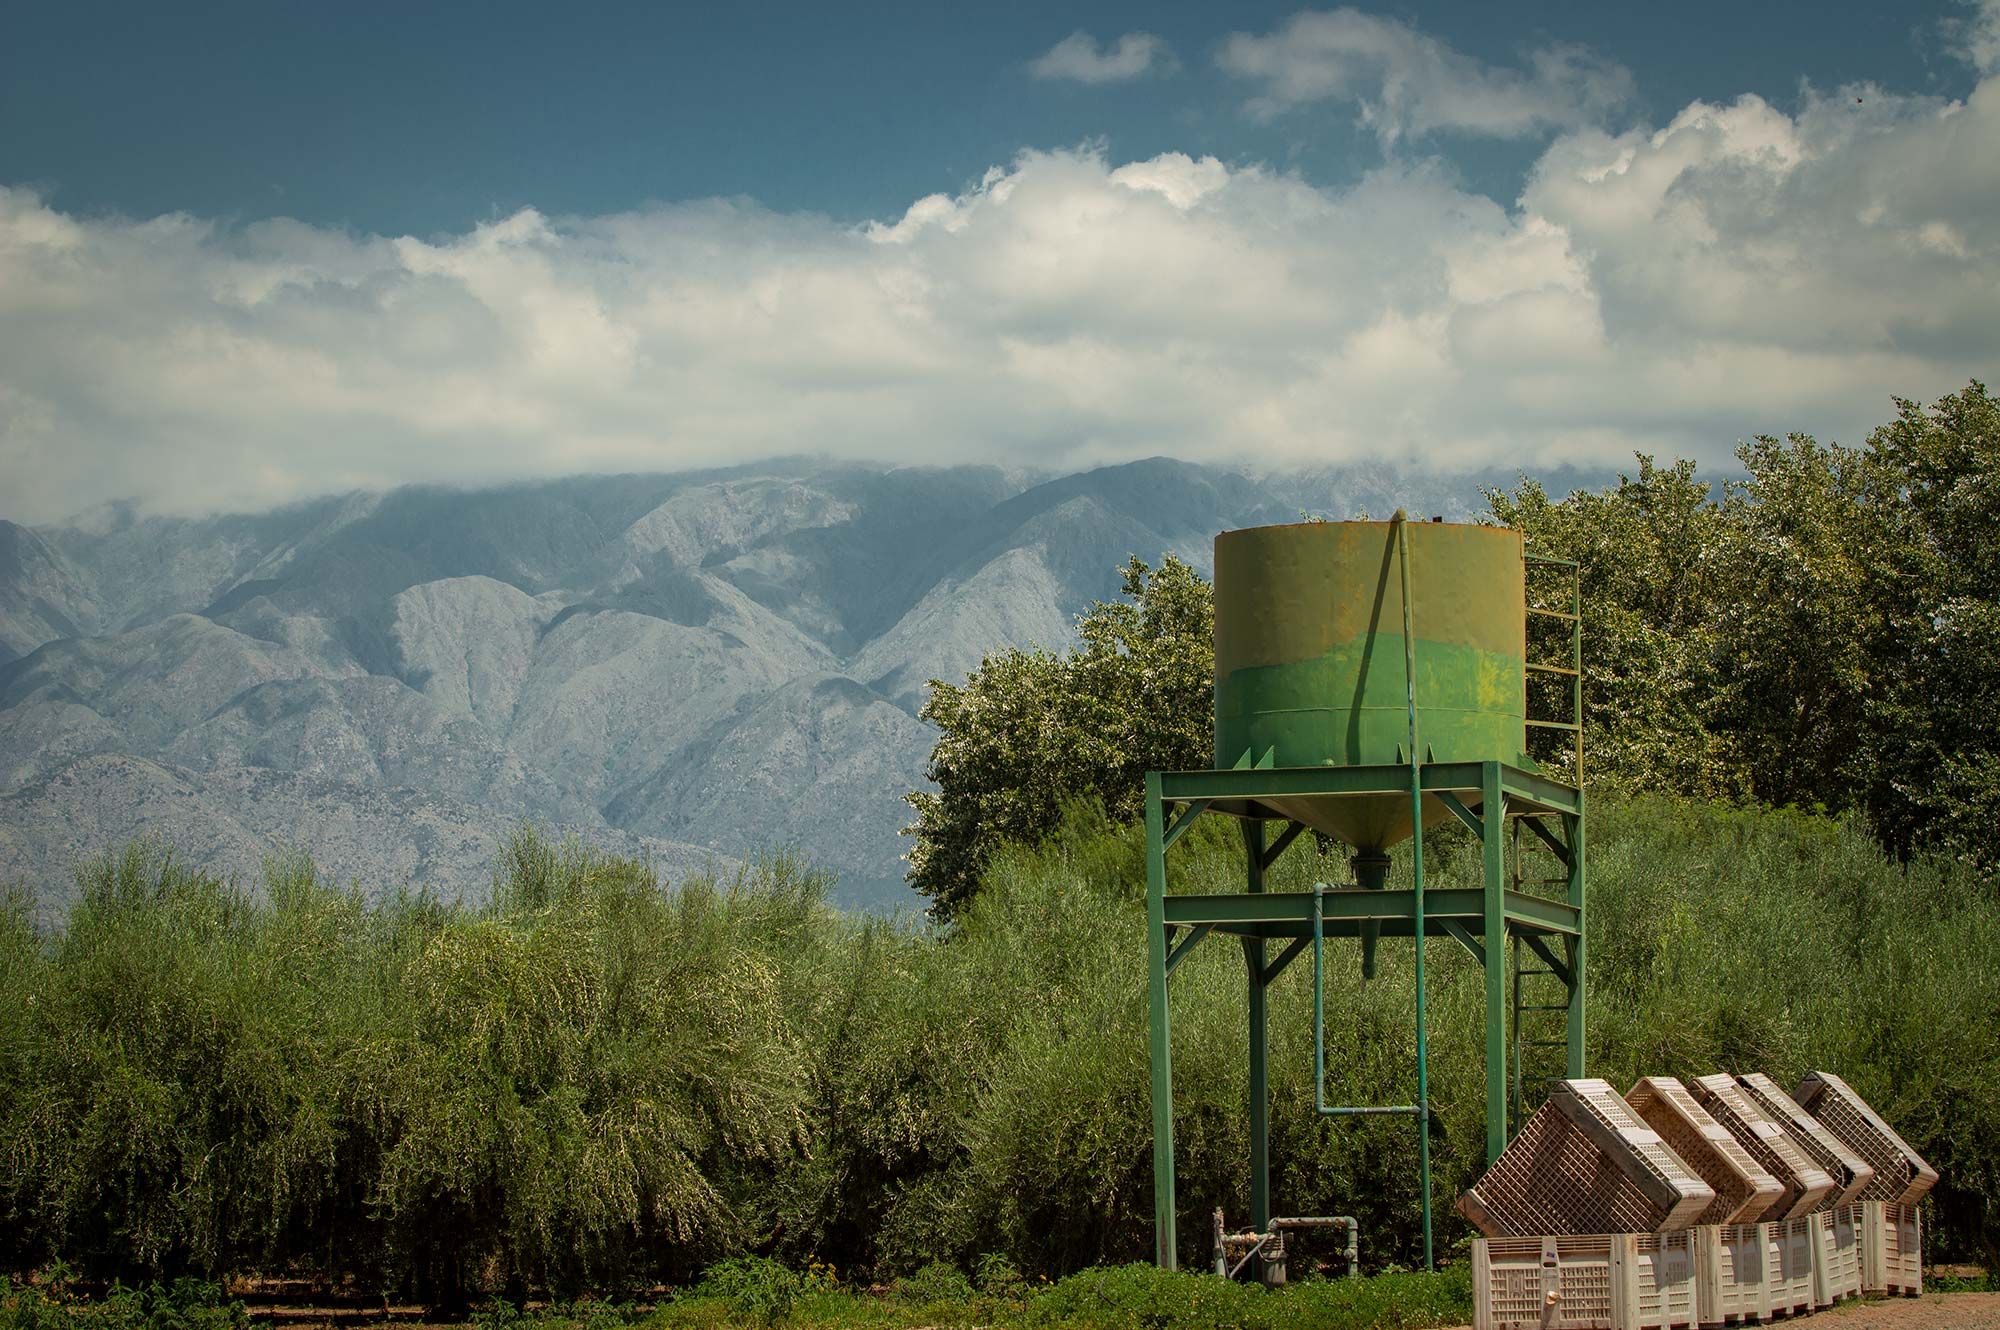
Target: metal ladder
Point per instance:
(1540, 1016)
(1570, 612)
(1539, 1029)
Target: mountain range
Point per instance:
(695, 667)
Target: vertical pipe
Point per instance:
(1574, 1036)
(1260, 1089)
(1493, 829)
(1164, 1241)
(1371, 871)
(1417, 895)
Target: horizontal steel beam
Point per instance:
(1236, 791)
(1289, 913)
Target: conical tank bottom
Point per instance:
(1364, 821)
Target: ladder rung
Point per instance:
(1534, 668)
(1543, 1006)
(1555, 725)
(1524, 971)
(1551, 614)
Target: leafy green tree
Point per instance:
(1032, 730)
(1649, 572)
(1933, 777)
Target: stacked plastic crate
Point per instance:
(1836, 1234)
(1784, 1240)
(1717, 1202)
(1588, 1208)
(1729, 1267)
(1885, 1213)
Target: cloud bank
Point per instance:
(1405, 83)
(1740, 269)
(1078, 58)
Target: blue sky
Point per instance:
(427, 118)
(265, 251)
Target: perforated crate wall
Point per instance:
(1788, 1264)
(1585, 1164)
(1891, 1248)
(1744, 1189)
(1513, 1277)
(1617, 1281)
(1729, 1274)
(1901, 1175)
(1836, 1254)
(1851, 1173)
(1806, 1184)
(1654, 1272)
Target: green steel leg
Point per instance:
(1573, 824)
(1260, 1088)
(1493, 812)
(1164, 1239)
(1517, 1100)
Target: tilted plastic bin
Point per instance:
(1851, 1174)
(1744, 1189)
(1901, 1175)
(1807, 1185)
(1585, 1165)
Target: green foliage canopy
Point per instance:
(1030, 730)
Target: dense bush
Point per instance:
(598, 1081)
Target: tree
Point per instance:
(1031, 730)
(1933, 775)
(1649, 571)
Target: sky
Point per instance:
(274, 250)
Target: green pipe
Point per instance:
(1320, 1105)
(1417, 845)
(1421, 1110)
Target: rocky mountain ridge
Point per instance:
(694, 666)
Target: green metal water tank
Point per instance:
(1309, 661)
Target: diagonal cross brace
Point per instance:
(1183, 822)
(1180, 949)
(1541, 948)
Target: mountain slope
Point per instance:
(728, 659)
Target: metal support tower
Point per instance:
(1489, 797)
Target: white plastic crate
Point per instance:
(1585, 1164)
(1852, 1175)
(1512, 1279)
(1730, 1283)
(1743, 1189)
(1836, 1254)
(1891, 1248)
(1618, 1281)
(1807, 1186)
(1657, 1281)
(1901, 1175)
(1788, 1264)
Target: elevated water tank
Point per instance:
(1309, 661)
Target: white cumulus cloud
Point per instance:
(1078, 58)
(1404, 82)
(1740, 269)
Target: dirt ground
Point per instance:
(1933, 1311)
